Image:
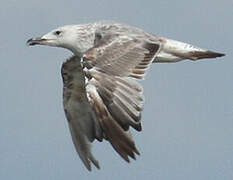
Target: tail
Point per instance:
(173, 51)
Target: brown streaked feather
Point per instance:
(119, 139)
(195, 55)
(207, 54)
(119, 97)
(121, 56)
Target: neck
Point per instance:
(76, 52)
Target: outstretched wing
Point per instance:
(102, 98)
(111, 68)
(82, 121)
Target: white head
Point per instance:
(77, 38)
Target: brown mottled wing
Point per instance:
(114, 113)
(112, 67)
(83, 124)
(121, 56)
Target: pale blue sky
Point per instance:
(188, 115)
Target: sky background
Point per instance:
(188, 115)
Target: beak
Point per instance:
(36, 41)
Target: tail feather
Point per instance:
(201, 55)
(195, 55)
(174, 51)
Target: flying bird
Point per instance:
(102, 97)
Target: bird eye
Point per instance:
(57, 33)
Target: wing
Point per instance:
(122, 56)
(83, 125)
(112, 67)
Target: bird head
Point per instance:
(72, 37)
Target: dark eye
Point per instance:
(57, 33)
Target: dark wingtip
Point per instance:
(220, 54)
(215, 54)
(206, 54)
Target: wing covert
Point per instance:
(121, 56)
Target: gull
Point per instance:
(102, 97)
